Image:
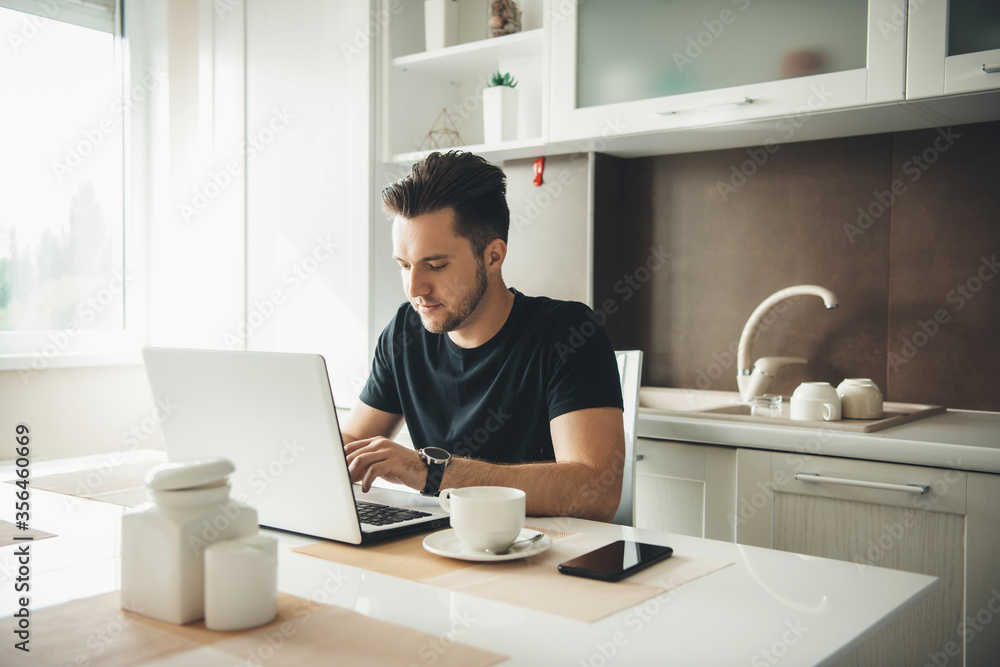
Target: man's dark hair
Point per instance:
(474, 189)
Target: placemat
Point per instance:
(532, 583)
(9, 531)
(96, 631)
(120, 485)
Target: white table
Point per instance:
(769, 607)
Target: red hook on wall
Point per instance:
(539, 166)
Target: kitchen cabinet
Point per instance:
(418, 86)
(953, 46)
(653, 67)
(685, 488)
(879, 518)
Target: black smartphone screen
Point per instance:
(616, 561)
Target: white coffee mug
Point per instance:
(860, 398)
(485, 518)
(815, 401)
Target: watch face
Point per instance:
(436, 454)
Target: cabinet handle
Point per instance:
(723, 102)
(905, 488)
(991, 69)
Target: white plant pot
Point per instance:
(440, 24)
(499, 114)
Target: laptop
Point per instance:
(273, 415)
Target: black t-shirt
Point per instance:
(494, 402)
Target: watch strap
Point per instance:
(435, 469)
(435, 473)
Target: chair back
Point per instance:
(630, 372)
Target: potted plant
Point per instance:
(440, 24)
(500, 108)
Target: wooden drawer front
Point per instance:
(946, 488)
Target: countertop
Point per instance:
(957, 439)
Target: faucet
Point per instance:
(755, 382)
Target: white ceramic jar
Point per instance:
(163, 541)
(241, 583)
(860, 398)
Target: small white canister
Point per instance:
(860, 398)
(241, 583)
(163, 541)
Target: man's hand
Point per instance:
(376, 457)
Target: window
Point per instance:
(62, 268)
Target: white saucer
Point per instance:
(446, 543)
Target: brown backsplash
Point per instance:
(904, 228)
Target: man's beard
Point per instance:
(465, 307)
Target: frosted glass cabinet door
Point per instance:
(648, 65)
(953, 47)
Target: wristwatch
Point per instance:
(437, 460)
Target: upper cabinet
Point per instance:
(634, 67)
(634, 77)
(437, 57)
(953, 47)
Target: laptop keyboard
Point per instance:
(384, 515)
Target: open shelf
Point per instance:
(472, 59)
(508, 150)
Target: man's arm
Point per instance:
(585, 480)
(364, 421)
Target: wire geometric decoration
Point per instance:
(443, 133)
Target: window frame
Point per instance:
(29, 352)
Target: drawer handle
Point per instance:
(991, 69)
(820, 479)
(724, 102)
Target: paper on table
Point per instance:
(8, 533)
(537, 584)
(532, 583)
(97, 631)
(405, 558)
(121, 485)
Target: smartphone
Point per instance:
(615, 561)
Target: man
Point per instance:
(496, 388)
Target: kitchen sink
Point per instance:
(727, 406)
(741, 409)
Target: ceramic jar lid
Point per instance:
(189, 474)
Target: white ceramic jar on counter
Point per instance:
(860, 398)
(163, 541)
